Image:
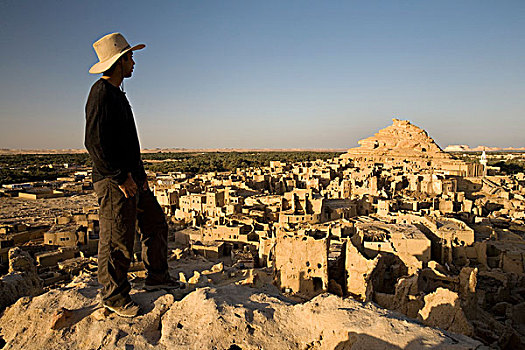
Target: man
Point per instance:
(120, 182)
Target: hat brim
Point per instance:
(101, 67)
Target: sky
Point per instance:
(269, 74)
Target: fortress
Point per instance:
(408, 146)
(396, 221)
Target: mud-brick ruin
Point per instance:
(396, 224)
(396, 221)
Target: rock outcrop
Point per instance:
(225, 317)
(22, 279)
(404, 144)
(401, 139)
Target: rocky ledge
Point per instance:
(220, 317)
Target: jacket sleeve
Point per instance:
(102, 137)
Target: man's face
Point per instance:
(127, 64)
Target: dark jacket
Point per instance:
(111, 136)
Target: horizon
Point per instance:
(272, 75)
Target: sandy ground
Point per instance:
(42, 211)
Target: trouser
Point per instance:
(118, 216)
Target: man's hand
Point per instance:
(145, 185)
(129, 187)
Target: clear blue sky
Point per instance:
(270, 74)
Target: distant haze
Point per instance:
(270, 74)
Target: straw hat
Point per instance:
(109, 49)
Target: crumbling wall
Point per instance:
(407, 298)
(266, 252)
(443, 309)
(359, 272)
(301, 264)
(22, 279)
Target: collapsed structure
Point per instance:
(405, 145)
(396, 221)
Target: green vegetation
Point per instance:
(23, 161)
(513, 166)
(226, 161)
(497, 159)
(18, 168)
(472, 157)
(8, 176)
(36, 167)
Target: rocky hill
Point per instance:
(405, 145)
(229, 316)
(401, 139)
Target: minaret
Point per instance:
(483, 161)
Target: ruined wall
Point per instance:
(443, 309)
(360, 271)
(301, 264)
(266, 251)
(22, 279)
